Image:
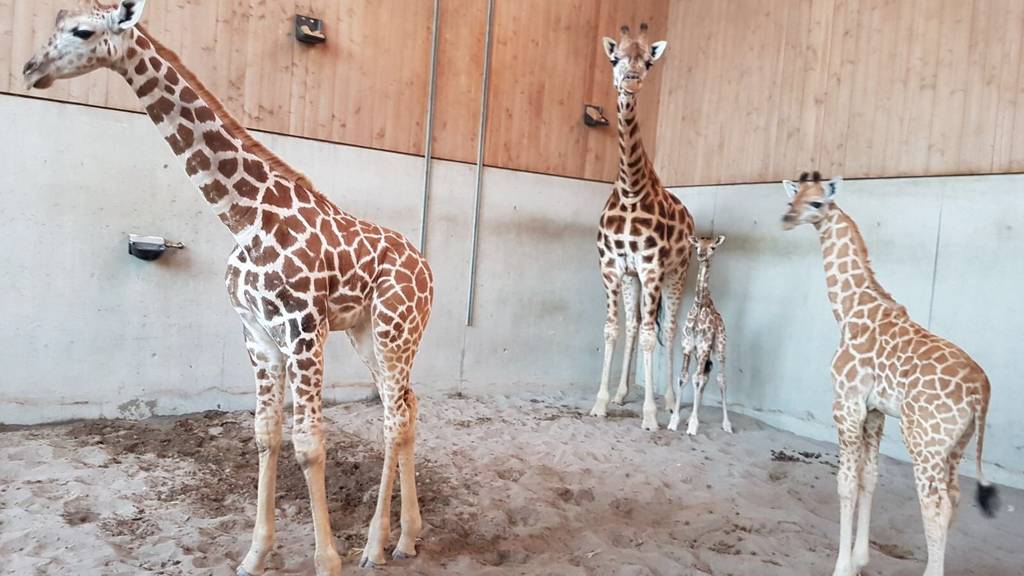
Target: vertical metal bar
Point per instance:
(481, 137)
(429, 136)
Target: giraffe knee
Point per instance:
(267, 432)
(648, 338)
(309, 449)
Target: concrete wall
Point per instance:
(90, 331)
(947, 248)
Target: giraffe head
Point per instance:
(83, 41)
(706, 246)
(631, 58)
(810, 199)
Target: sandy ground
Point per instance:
(508, 485)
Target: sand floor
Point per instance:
(508, 485)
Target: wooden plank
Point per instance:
(981, 105)
(6, 45)
(460, 62)
(1011, 93)
(950, 87)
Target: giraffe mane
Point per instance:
(233, 126)
(858, 242)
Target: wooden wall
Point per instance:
(368, 84)
(760, 90)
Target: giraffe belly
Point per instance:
(885, 401)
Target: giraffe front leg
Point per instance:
(673, 423)
(673, 298)
(268, 364)
(305, 375)
(726, 424)
(648, 340)
(612, 281)
(874, 423)
(700, 379)
(849, 415)
(631, 306)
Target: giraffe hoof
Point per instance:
(727, 427)
(399, 555)
(242, 572)
(600, 412)
(367, 563)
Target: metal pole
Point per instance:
(429, 136)
(481, 137)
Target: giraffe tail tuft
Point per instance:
(988, 498)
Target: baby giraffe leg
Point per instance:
(700, 379)
(726, 425)
(268, 364)
(673, 423)
(849, 417)
(874, 423)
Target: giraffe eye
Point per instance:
(82, 33)
(815, 205)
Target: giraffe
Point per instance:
(704, 332)
(642, 237)
(887, 364)
(301, 268)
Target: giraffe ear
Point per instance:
(832, 187)
(719, 240)
(657, 49)
(791, 188)
(609, 47)
(127, 14)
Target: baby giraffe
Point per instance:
(887, 364)
(704, 332)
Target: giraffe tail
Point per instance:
(988, 499)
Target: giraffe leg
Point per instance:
(673, 298)
(398, 440)
(612, 281)
(305, 375)
(268, 363)
(931, 475)
(720, 349)
(849, 415)
(673, 423)
(648, 340)
(700, 379)
(874, 424)
(631, 306)
(361, 337)
(953, 483)
(412, 523)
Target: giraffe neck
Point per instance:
(703, 274)
(235, 174)
(848, 274)
(635, 172)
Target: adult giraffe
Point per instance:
(643, 235)
(887, 364)
(301, 268)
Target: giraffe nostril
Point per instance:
(29, 66)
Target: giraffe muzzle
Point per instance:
(36, 75)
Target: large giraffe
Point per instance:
(887, 364)
(302, 268)
(642, 238)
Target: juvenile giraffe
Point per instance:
(704, 332)
(301, 268)
(642, 238)
(887, 364)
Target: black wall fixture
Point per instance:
(309, 30)
(594, 115)
(149, 247)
